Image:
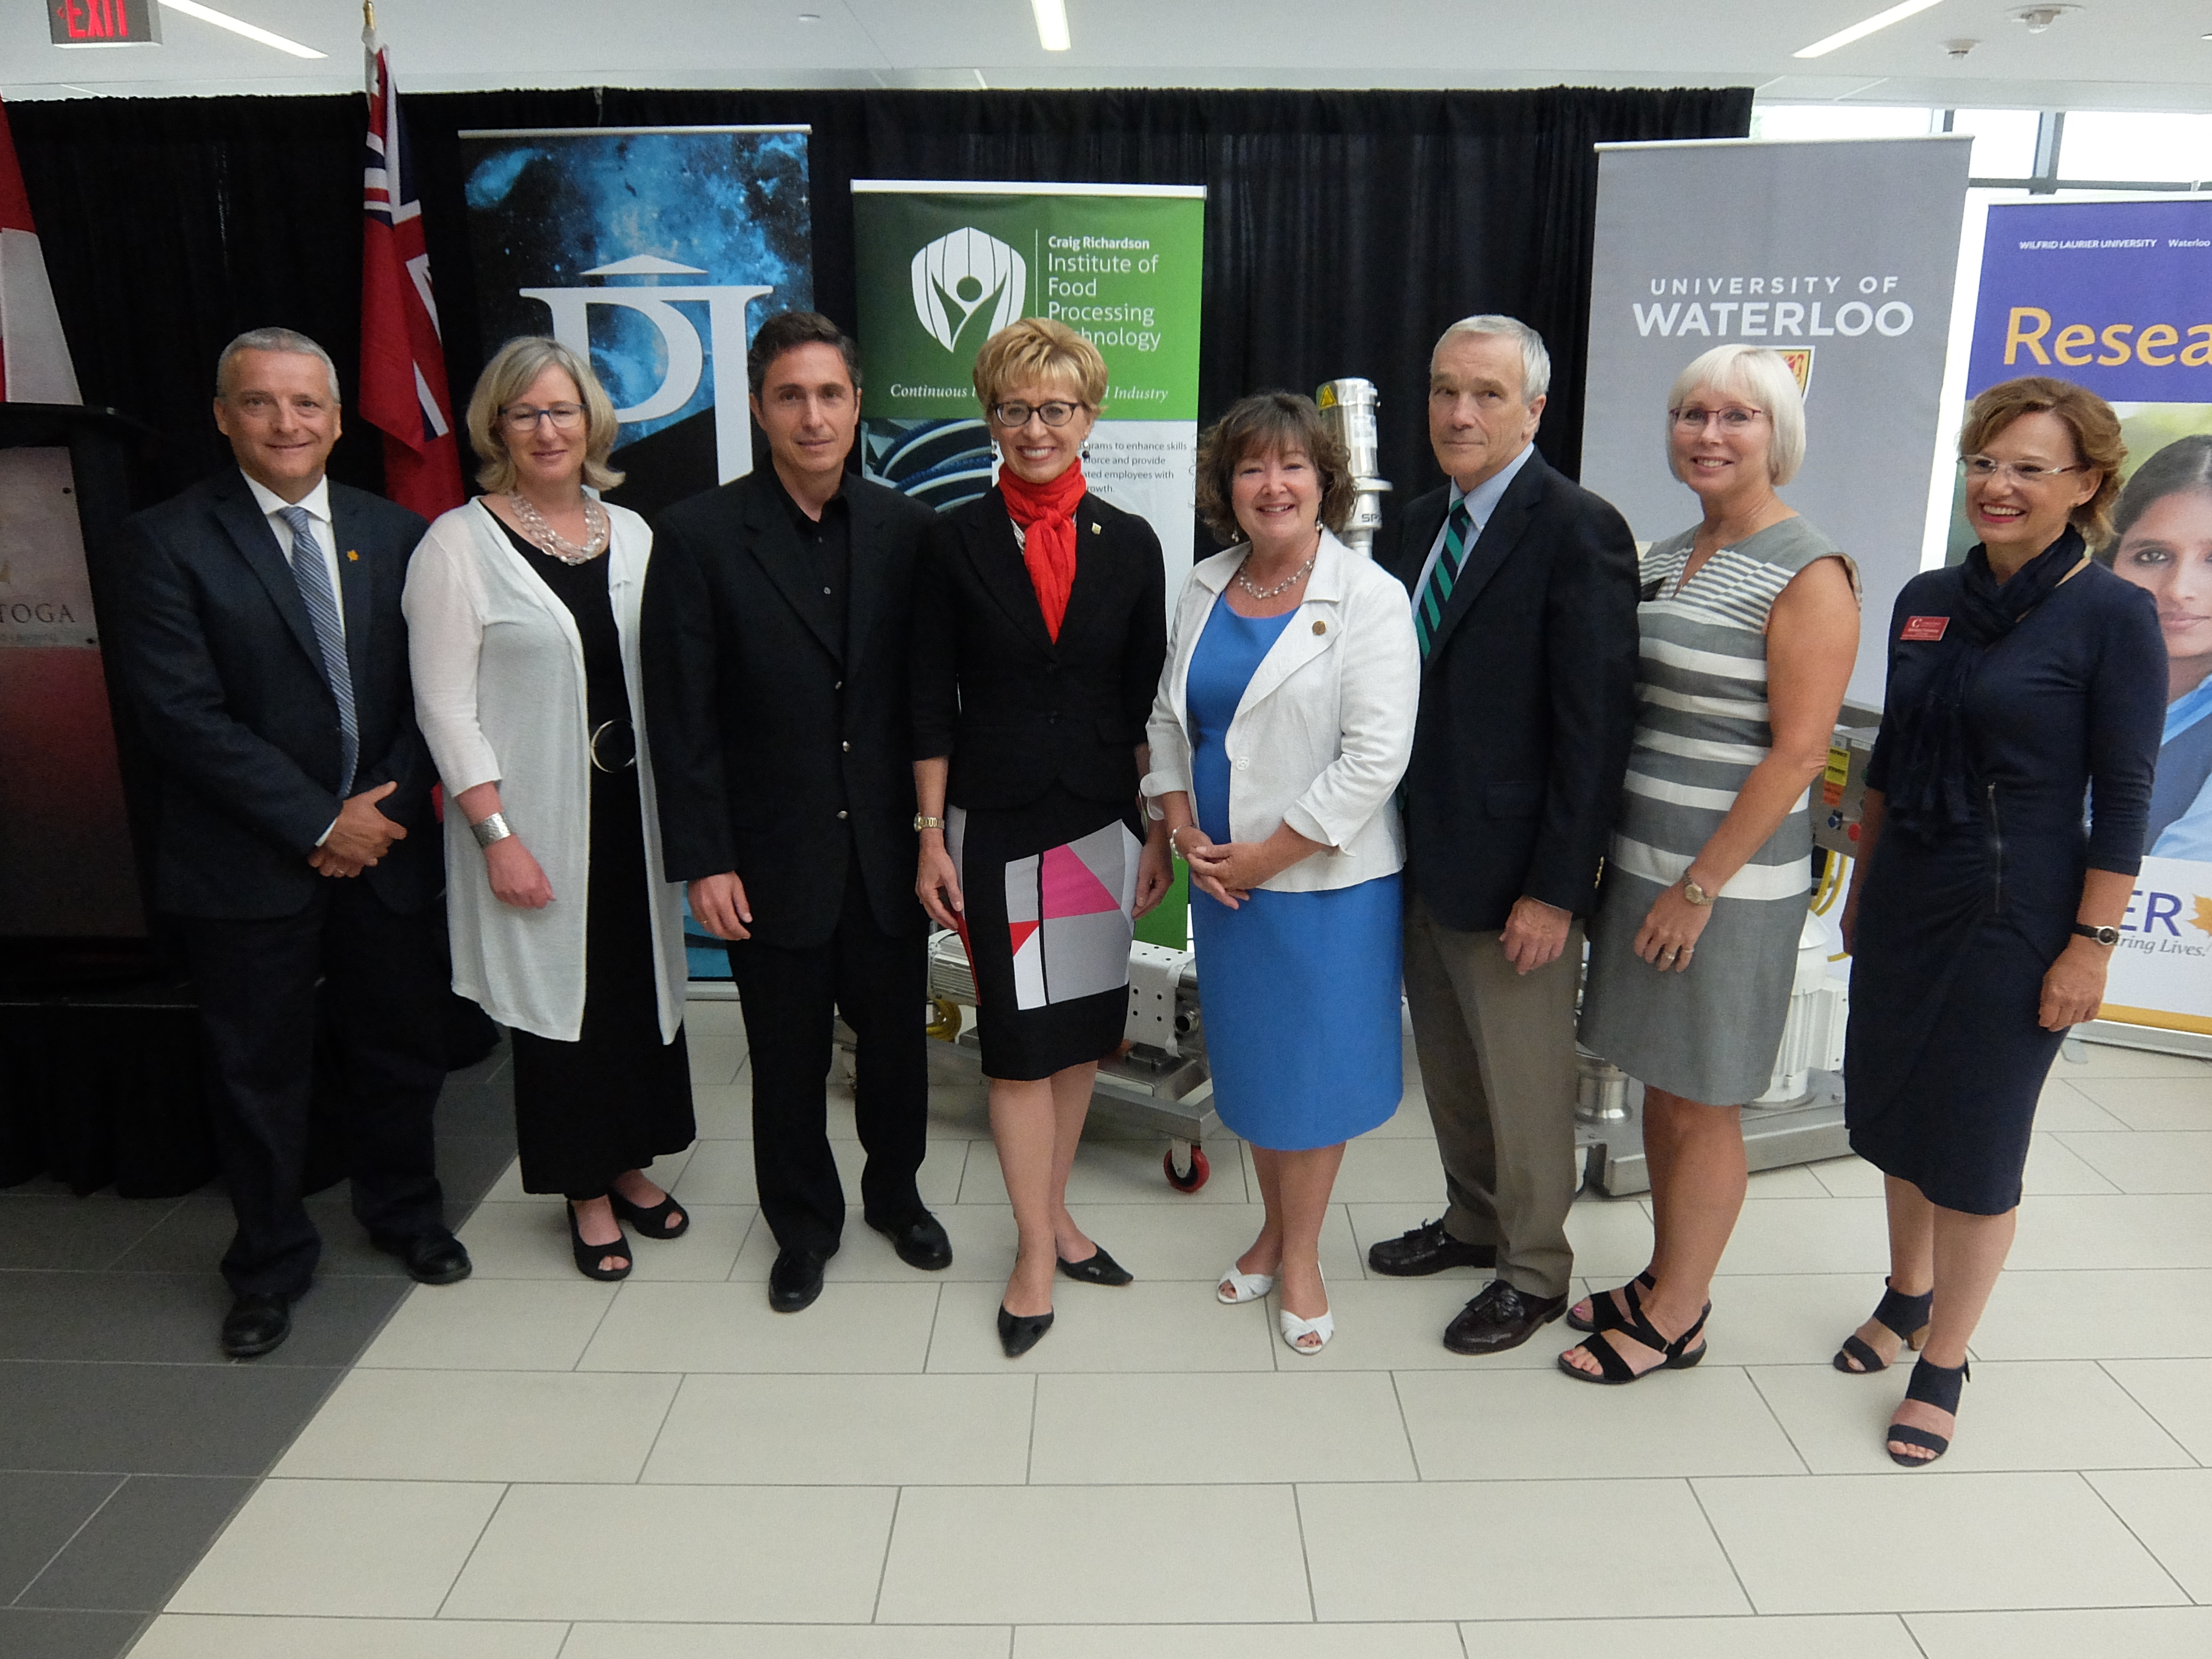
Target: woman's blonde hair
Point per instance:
(2096, 432)
(506, 377)
(1758, 374)
(1036, 348)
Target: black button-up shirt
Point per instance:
(829, 541)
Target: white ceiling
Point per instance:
(2108, 54)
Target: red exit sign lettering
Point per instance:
(103, 22)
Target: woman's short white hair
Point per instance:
(1758, 375)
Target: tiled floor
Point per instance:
(126, 1439)
(533, 1467)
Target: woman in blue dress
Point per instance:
(1284, 722)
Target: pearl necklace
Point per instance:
(551, 541)
(1282, 586)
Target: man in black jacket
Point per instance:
(264, 648)
(776, 612)
(1524, 607)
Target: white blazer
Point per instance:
(499, 692)
(1324, 729)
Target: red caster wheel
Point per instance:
(1186, 1181)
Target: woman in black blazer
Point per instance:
(1040, 629)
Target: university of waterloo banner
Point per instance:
(656, 251)
(2117, 296)
(1843, 256)
(945, 266)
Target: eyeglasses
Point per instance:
(1691, 418)
(521, 417)
(1011, 415)
(1988, 466)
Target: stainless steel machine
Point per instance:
(1348, 406)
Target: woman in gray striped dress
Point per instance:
(1750, 625)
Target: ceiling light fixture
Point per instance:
(2039, 18)
(1052, 24)
(1881, 20)
(223, 20)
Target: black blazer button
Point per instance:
(840, 811)
(847, 746)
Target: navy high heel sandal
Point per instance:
(1931, 1385)
(1905, 1315)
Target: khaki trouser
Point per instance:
(1497, 1050)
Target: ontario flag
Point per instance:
(403, 367)
(34, 358)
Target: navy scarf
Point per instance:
(1931, 762)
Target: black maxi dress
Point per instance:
(618, 1096)
(1944, 1058)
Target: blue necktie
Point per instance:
(1429, 603)
(314, 575)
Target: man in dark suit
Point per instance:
(265, 651)
(1524, 607)
(776, 614)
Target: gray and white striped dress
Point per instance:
(1711, 1031)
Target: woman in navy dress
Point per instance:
(1983, 913)
(1284, 722)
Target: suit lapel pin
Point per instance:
(350, 553)
(1094, 527)
(1320, 628)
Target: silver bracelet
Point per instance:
(488, 831)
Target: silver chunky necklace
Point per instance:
(552, 541)
(1282, 586)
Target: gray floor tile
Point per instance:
(140, 1546)
(192, 1237)
(476, 1108)
(74, 1232)
(155, 1419)
(39, 1514)
(468, 1164)
(30, 1633)
(161, 1318)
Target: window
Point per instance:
(2004, 140)
(1843, 121)
(2111, 146)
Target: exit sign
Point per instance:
(103, 22)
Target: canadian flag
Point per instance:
(34, 358)
(403, 367)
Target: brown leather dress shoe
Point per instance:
(1500, 1318)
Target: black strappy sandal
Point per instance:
(589, 1256)
(653, 1223)
(1604, 1299)
(1931, 1385)
(1679, 1355)
(1905, 1315)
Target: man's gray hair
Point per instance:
(1535, 360)
(272, 339)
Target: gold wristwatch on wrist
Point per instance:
(1697, 895)
(922, 822)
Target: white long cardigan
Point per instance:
(499, 692)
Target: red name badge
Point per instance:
(1924, 628)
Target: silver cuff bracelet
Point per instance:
(488, 831)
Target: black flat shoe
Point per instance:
(653, 1223)
(437, 1258)
(1931, 1385)
(1019, 1333)
(1602, 1309)
(589, 1256)
(1613, 1369)
(1906, 1316)
(256, 1324)
(920, 1242)
(1096, 1268)
(796, 1278)
(1427, 1249)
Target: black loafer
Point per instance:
(1427, 1249)
(796, 1278)
(1019, 1333)
(437, 1258)
(1097, 1268)
(256, 1324)
(920, 1242)
(1500, 1318)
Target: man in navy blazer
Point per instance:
(1523, 587)
(265, 651)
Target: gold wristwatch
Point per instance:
(922, 824)
(1697, 895)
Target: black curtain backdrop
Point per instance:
(1343, 230)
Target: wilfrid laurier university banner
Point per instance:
(1841, 256)
(656, 251)
(944, 266)
(2117, 297)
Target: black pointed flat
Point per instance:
(1096, 1268)
(1019, 1333)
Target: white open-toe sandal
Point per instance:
(1242, 1287)
(1294, 1328)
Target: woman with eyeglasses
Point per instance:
(522, 618)
(1040, 628)
(1985, 909)
(1750, 624)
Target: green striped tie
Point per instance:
(1436, 593)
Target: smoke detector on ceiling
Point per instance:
(2039, 18)
(1959, 49)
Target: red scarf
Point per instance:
(1046, 513)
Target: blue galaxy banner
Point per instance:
(658, 251)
